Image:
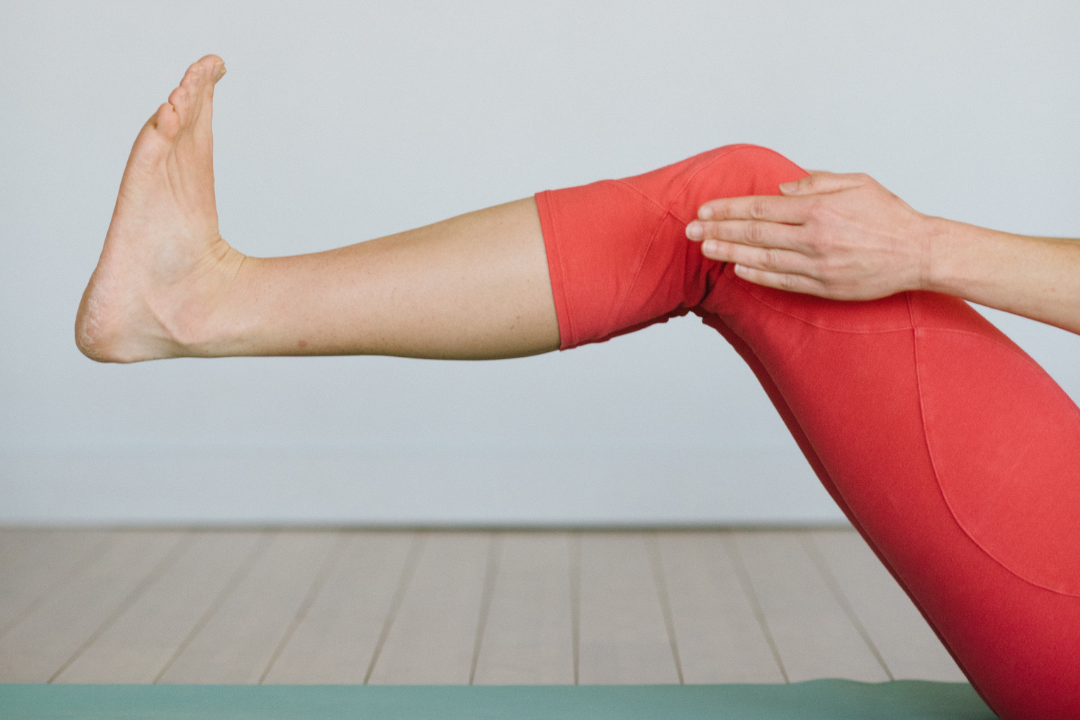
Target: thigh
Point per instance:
(960, 459)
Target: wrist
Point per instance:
(943, 253)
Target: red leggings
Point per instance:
(950, 450)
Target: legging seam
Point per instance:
(1008, 347)
(618, 311)
(651, 200)
(930, 452)
(804, 321)
(697, 172)
(937, 479)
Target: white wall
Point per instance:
(341, 121)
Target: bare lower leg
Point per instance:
(168, 285)
(472, 287)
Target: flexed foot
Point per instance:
(164, 267)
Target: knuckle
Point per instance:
(758, 208)
(718, 231)
(753, 232)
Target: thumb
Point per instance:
(821, 182)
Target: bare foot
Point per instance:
(164, 266)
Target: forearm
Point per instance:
(845, 237)
(1036, 277)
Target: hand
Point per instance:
(843, 237)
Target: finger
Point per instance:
(781, 281)
(768, 259)
(749, 232)
(822, 182)
(772, 208)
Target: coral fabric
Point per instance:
(951, 451)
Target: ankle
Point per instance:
(198, 315)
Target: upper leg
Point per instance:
(960, 459)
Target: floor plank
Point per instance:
(14, 542)
(720, 638)
(46, 565)
(433, 636)
(909, 647)
(528, 639)
(140, 643)
(42, 643)
(623, 635)
(814, 635)
(336, 639)
(237, 644)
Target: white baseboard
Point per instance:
(350, 486)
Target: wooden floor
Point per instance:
(454, 608)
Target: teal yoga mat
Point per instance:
(813, 700)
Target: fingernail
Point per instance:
(704, 213)
(695, 231)
(789, 186)
(710, 247)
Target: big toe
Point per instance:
(216, 67)
(208, 70)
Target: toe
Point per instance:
(208, 70)
(211, 63)
(213, 68)
(192, 93)
(193, 77)
(166, 121)
(180, 99)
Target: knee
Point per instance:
(729, 171)
(734, 171)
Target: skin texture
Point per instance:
(845, 237)
(168, 285)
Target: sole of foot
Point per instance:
(165, 270)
